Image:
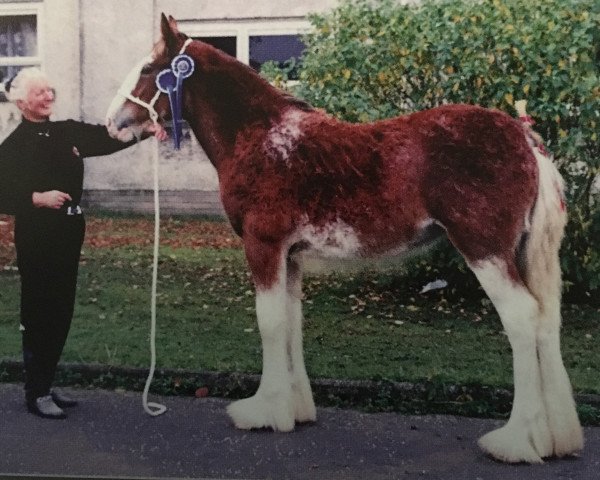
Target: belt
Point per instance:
(71, 210)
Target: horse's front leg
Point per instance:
(273, 404)
(304, 405)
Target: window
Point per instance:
(253, 43)
(19, 39)
(226, 44)
(275, 48)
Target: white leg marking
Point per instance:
(272, 405)
(526, 436)
(564, 423)
(304, 405)
(543, 272)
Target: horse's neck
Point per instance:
(225, 106)
(213, 142)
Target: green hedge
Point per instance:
(373, 59)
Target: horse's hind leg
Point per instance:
(564, 423)
(526, 437)
(543, 277)
(541, 273)
(304, 405)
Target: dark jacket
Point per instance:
(38, 157)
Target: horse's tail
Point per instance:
(542, 273)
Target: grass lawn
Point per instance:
(358, 325)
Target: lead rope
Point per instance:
(181, 67)
(148, 406)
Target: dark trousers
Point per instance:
(48, 247)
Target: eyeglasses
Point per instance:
(42, 92)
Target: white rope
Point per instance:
(148, 106)
(148, 406)
(185, 45)
(160, 409)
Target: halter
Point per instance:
(169, 81)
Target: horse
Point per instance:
(297, 183)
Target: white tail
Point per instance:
(543, 279)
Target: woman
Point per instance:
(41, 182)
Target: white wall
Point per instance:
(230, 9)
(61, 54)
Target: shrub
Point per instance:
(373, 59)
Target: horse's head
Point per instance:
(220, 97)
(139, 104)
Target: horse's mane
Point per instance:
(298, 102)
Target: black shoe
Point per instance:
(62, 400)
(46, 408)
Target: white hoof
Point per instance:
(519, 443)
(304, 405)
(256, 412)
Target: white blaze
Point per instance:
(127, 87)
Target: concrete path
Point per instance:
(109, 435)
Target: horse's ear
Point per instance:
(170, 31)
(173, 24)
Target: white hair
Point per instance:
(19, 86)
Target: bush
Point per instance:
(374, 59)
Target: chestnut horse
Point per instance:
(296, 182)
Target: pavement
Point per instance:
(109, 435)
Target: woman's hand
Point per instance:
(158, 131)
(51, 199)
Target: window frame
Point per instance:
(243, 29)
(22, 9)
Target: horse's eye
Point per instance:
(146, 69)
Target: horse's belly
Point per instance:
(332, 240)
(339, 241)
